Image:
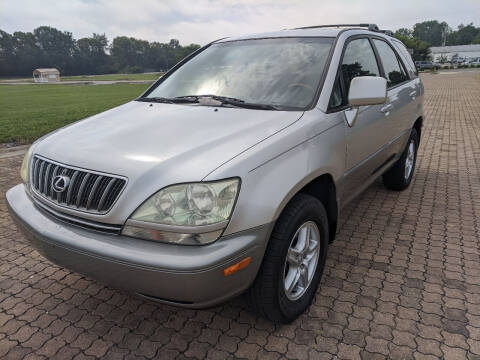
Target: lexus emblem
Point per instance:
(60, 183)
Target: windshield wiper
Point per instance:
(155, 99)
(215, 100)
(166, 100)
(227, 100)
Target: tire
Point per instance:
(396, 177)
(268, 296)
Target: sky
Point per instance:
(202, 21)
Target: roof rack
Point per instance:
(370, 27)
(387, 32)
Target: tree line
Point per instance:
(434, 33)
(22, 52)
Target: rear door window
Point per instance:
(402, 50)
(394, 72)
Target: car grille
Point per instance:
(87, 191)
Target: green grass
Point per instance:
(105, 77)
(150, 76)
(30, 111)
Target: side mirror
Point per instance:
(367, 90)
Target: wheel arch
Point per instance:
(418, 124)
(324, 189)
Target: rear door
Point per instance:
(401, 95)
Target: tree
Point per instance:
(7, 57)
(174, 43)
(476, 40)
(184, 51)
(404, 32)
(27, 53)
(57, 47)
(161, 57)
(433, 32)
(23, 52)
(464, 35)
(128, 52)
(91, 56)
(439, 33)
(421, 49)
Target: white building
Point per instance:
(454, 53)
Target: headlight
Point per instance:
(187, 214)
(25, 166)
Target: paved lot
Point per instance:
(402, 279)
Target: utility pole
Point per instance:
(444, 34)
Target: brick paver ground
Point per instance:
(402, 279)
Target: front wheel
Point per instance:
(399, 176)
(293, 263)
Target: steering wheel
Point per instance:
(306, 86)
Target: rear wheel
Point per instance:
(293, 263)
(399, 176)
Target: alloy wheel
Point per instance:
(409, 159)
(301, 261)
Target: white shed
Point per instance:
(46, 75)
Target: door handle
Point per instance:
(413, 94)
(386, 109)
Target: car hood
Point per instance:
(159, 144)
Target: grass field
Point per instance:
(149, 76)
(30, 111)
(106, 77)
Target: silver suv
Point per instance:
(228, 174)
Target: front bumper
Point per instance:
(190, 276)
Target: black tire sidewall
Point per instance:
(312, 211)
(413, 137)
(394, 178)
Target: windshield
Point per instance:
(283, 72)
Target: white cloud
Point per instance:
(201, 21)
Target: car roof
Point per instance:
(333, 31)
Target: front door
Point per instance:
(366, 139)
